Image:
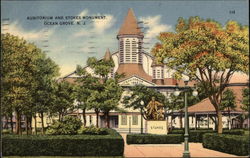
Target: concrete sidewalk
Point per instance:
(169, 150)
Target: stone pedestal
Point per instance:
(157, 127)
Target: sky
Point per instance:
(71, 45)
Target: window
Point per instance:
(124, 120)
(154, 75)
(135, 120)
(121, 52)
(158, 74)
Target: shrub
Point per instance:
(68, 126)
(234, 132)
(6, 131)
(177, 131)
(196, 135)
(154, 139)
(92, 130)
(232, 144)
(64, 145)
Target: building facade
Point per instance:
(139, 67)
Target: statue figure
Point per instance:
(155, 110)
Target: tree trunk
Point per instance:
(11, 123)
(42, 120)
(97, 117)
(84, 117)
(30, 124)
(35, 124)
(26, 125)
(59, 115)
(219, 125)
(6, 123)
(108, 120)
(18, 123)
(106, 115)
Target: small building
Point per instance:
(203, 114)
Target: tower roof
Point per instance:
(107, 55)
(130, 26)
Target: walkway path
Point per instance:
(169, 150)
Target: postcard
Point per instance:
(125, 78)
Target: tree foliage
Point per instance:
(245, 99)
(228, 100)
(99, 91)
(25, 73)
(207, 52)
(64, 99)
(142, 93)
(68, 126)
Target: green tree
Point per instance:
(228, 103)
(86, 85)
(25, 71)
(64, 99)
(44, 88)
(105, 92)
(207, 52)
(245, 99)
(141, 93)
(18, 67)
(244, 106)
(110, 97)
(68, 126)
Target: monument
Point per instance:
(155, 118)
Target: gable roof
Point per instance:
(133, 69)
(206, 106)
(127, 78)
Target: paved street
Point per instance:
(170, 150)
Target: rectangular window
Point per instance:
(135, 120)
(124, 120)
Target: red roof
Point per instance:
(130, 26)
(133, 69)
(206, 106)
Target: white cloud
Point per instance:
(84, 12)
(101, 25)
(97, 26)
(154, 26)
(15, 29)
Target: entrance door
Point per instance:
(113, 121)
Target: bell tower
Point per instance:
(130, 40)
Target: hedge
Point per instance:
(232, 144)
(196, 135)
(64, 145)
(154, 139)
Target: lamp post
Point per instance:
(186, 153)
(142, 103)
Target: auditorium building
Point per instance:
(139, 67)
